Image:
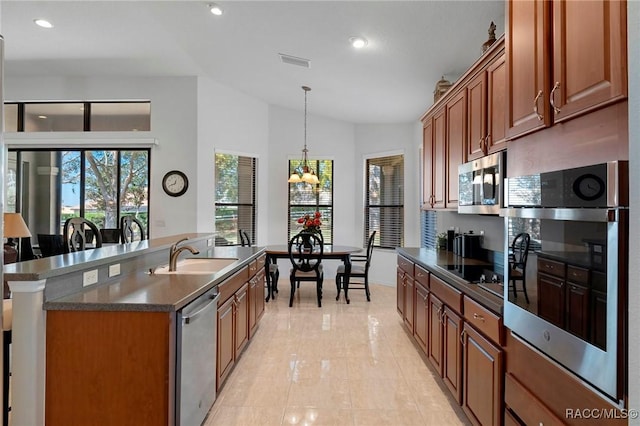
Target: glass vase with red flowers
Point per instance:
(311, 222)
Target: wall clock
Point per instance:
(588, 187)
(175, 183)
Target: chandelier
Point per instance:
(303, 173)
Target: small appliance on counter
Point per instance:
(467, 245)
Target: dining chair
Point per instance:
(359, 270)
(132, 229)
(75, 236)
(244, 238)
(305, 253)
(51, 244)
(518, 254)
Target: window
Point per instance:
(384, 201)
(99, 185)
(305, 198)
(235, 198)
(124, 116)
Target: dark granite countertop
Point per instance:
(135, 289)
(438, 261)
(142, 291)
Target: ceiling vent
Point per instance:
(293, 60)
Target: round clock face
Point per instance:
(175, 183)
(588, 187)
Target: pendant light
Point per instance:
(304, 173)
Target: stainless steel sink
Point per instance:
(197, 266)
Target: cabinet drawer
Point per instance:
(261, 261)
(449, 295)
(422, 276)
(551, 267)
(406, 265)
(526, 406)
(232, 284)
(253, 268)
(484, 321)
(577, 275)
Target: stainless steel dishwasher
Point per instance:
(196, 359)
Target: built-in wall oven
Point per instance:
(576, 271)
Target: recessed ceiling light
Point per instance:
(358, 42)
(43, 23)
(215, 9)
(42, 117)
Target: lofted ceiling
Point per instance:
(411, 45)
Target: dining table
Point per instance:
(330, 251)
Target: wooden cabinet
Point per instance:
(421, 324)
(256, 293)
(409, 297)
(456, 144)
(486, 97)
(563, 59)
(405, 292)
(466, 123)
(452, 352)
(434, 158)
(233, 323)
(435, 348)
(483, 372)
(400, 286)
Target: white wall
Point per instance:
(384, 139)
(230, 122)
(173, 124)
(633, 41)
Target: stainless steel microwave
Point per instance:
(480, 185)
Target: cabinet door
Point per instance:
(421, 326)
(241, 318)
(577, 316)
(477, 117)
(496, 105)
(427, 163)
(259, 301)
(456, 144)
(435, 333)
(527, 58)
(483, 372)
(438, 159)
(551, 299)
(589, 55)
(409, 298)
(226, 347)
(400, 286)
(253, 289)
(452, 356)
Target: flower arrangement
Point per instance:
(311, 223)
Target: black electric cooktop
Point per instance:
(483, 275)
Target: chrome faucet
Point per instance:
(174, 251)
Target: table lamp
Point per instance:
(14, 227)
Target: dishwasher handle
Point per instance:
(189, 319)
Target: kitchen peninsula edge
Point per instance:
(56, 285)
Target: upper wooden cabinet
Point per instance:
(564, 59)
(486, 97)
(468, 122)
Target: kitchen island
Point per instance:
(110, 327)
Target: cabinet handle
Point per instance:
(478, 317)
(535, 105)
(464, 332)
(487, 139)
(553, 105)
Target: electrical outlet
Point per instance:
(209, 242)
(90, 277)
(114, 270)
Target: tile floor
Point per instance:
(336, 365)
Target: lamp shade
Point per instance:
(14, 226)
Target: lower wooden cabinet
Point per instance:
(483, 368)
(421, 324)
(409, 302)
(435, 333)
(452, 352)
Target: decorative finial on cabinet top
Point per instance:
(492, 37)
